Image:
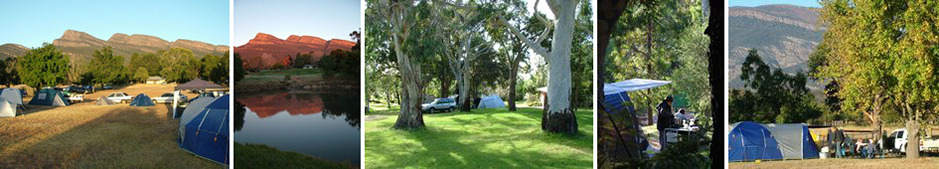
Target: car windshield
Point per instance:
(167, 95)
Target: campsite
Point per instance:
(84, 134)
(661, 74)
(475, 87)
(862, 88)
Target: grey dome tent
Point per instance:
(104, 101)
(794, 140)
(7, 108)
(491, 101)
(49, 97)
(142, 100)
(13, 95)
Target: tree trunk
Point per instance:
(444, 86)
(410, 116)
(465, 89)
(912, 145)
(715, 31)
(560, 117)
(513, 77)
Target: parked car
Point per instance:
(89, 88)
(106, 87)
(900, 137)
(168, 98)
(445, 104)
(74, 90)
(76, 98)
(120, 97)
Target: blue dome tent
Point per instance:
(207, 134)
(749, 141)
(142, 100)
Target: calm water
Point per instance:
(326, 126)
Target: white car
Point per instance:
(901, 138)
(446, 104)
(120, 97)
(168, 98)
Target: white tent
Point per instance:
(191, 111)
(491, 101)
(7, 108)
(12, 95)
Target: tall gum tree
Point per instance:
(559, 117)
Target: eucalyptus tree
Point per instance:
(559, 116)
(883, 55)
(407, 24)
(464, 38)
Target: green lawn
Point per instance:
(483, 138)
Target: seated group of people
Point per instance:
(842, 145)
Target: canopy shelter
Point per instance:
(207, 134)
(197, 84)
(49, 97)
(104, 101)
(750, 141)
(794, 140)
(142, 100)
(13, 95)
(7, 108)
(629, 138)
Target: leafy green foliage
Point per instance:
(141, 74)
(341, 62)
(107, 68)
(215, 69)
(43, 66)
(8, 73)
(179, 65)
(239, 69)
(771, 95)
(150, 61)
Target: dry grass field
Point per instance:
(83, 135)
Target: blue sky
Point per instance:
(752, 3)
(32, 22)
(326, 19)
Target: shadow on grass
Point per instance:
(122, 137)
(479, 139)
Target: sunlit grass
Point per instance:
(483, 138)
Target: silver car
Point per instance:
(168, 98)
(445, 104)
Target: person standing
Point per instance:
(839, 143)
(666, 120)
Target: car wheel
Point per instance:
(154, 101)
(433, 110)
(451, 109)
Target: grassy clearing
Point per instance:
(925, 162)
(262, 156)
(483, 138)
(87, 136)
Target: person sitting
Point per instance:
(680, 117)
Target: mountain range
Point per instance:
(81, 45)
(784, 36)
(271, 50)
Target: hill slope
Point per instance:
(272, 50)
(784, 36)
(81, 46)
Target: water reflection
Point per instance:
(289, 122)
